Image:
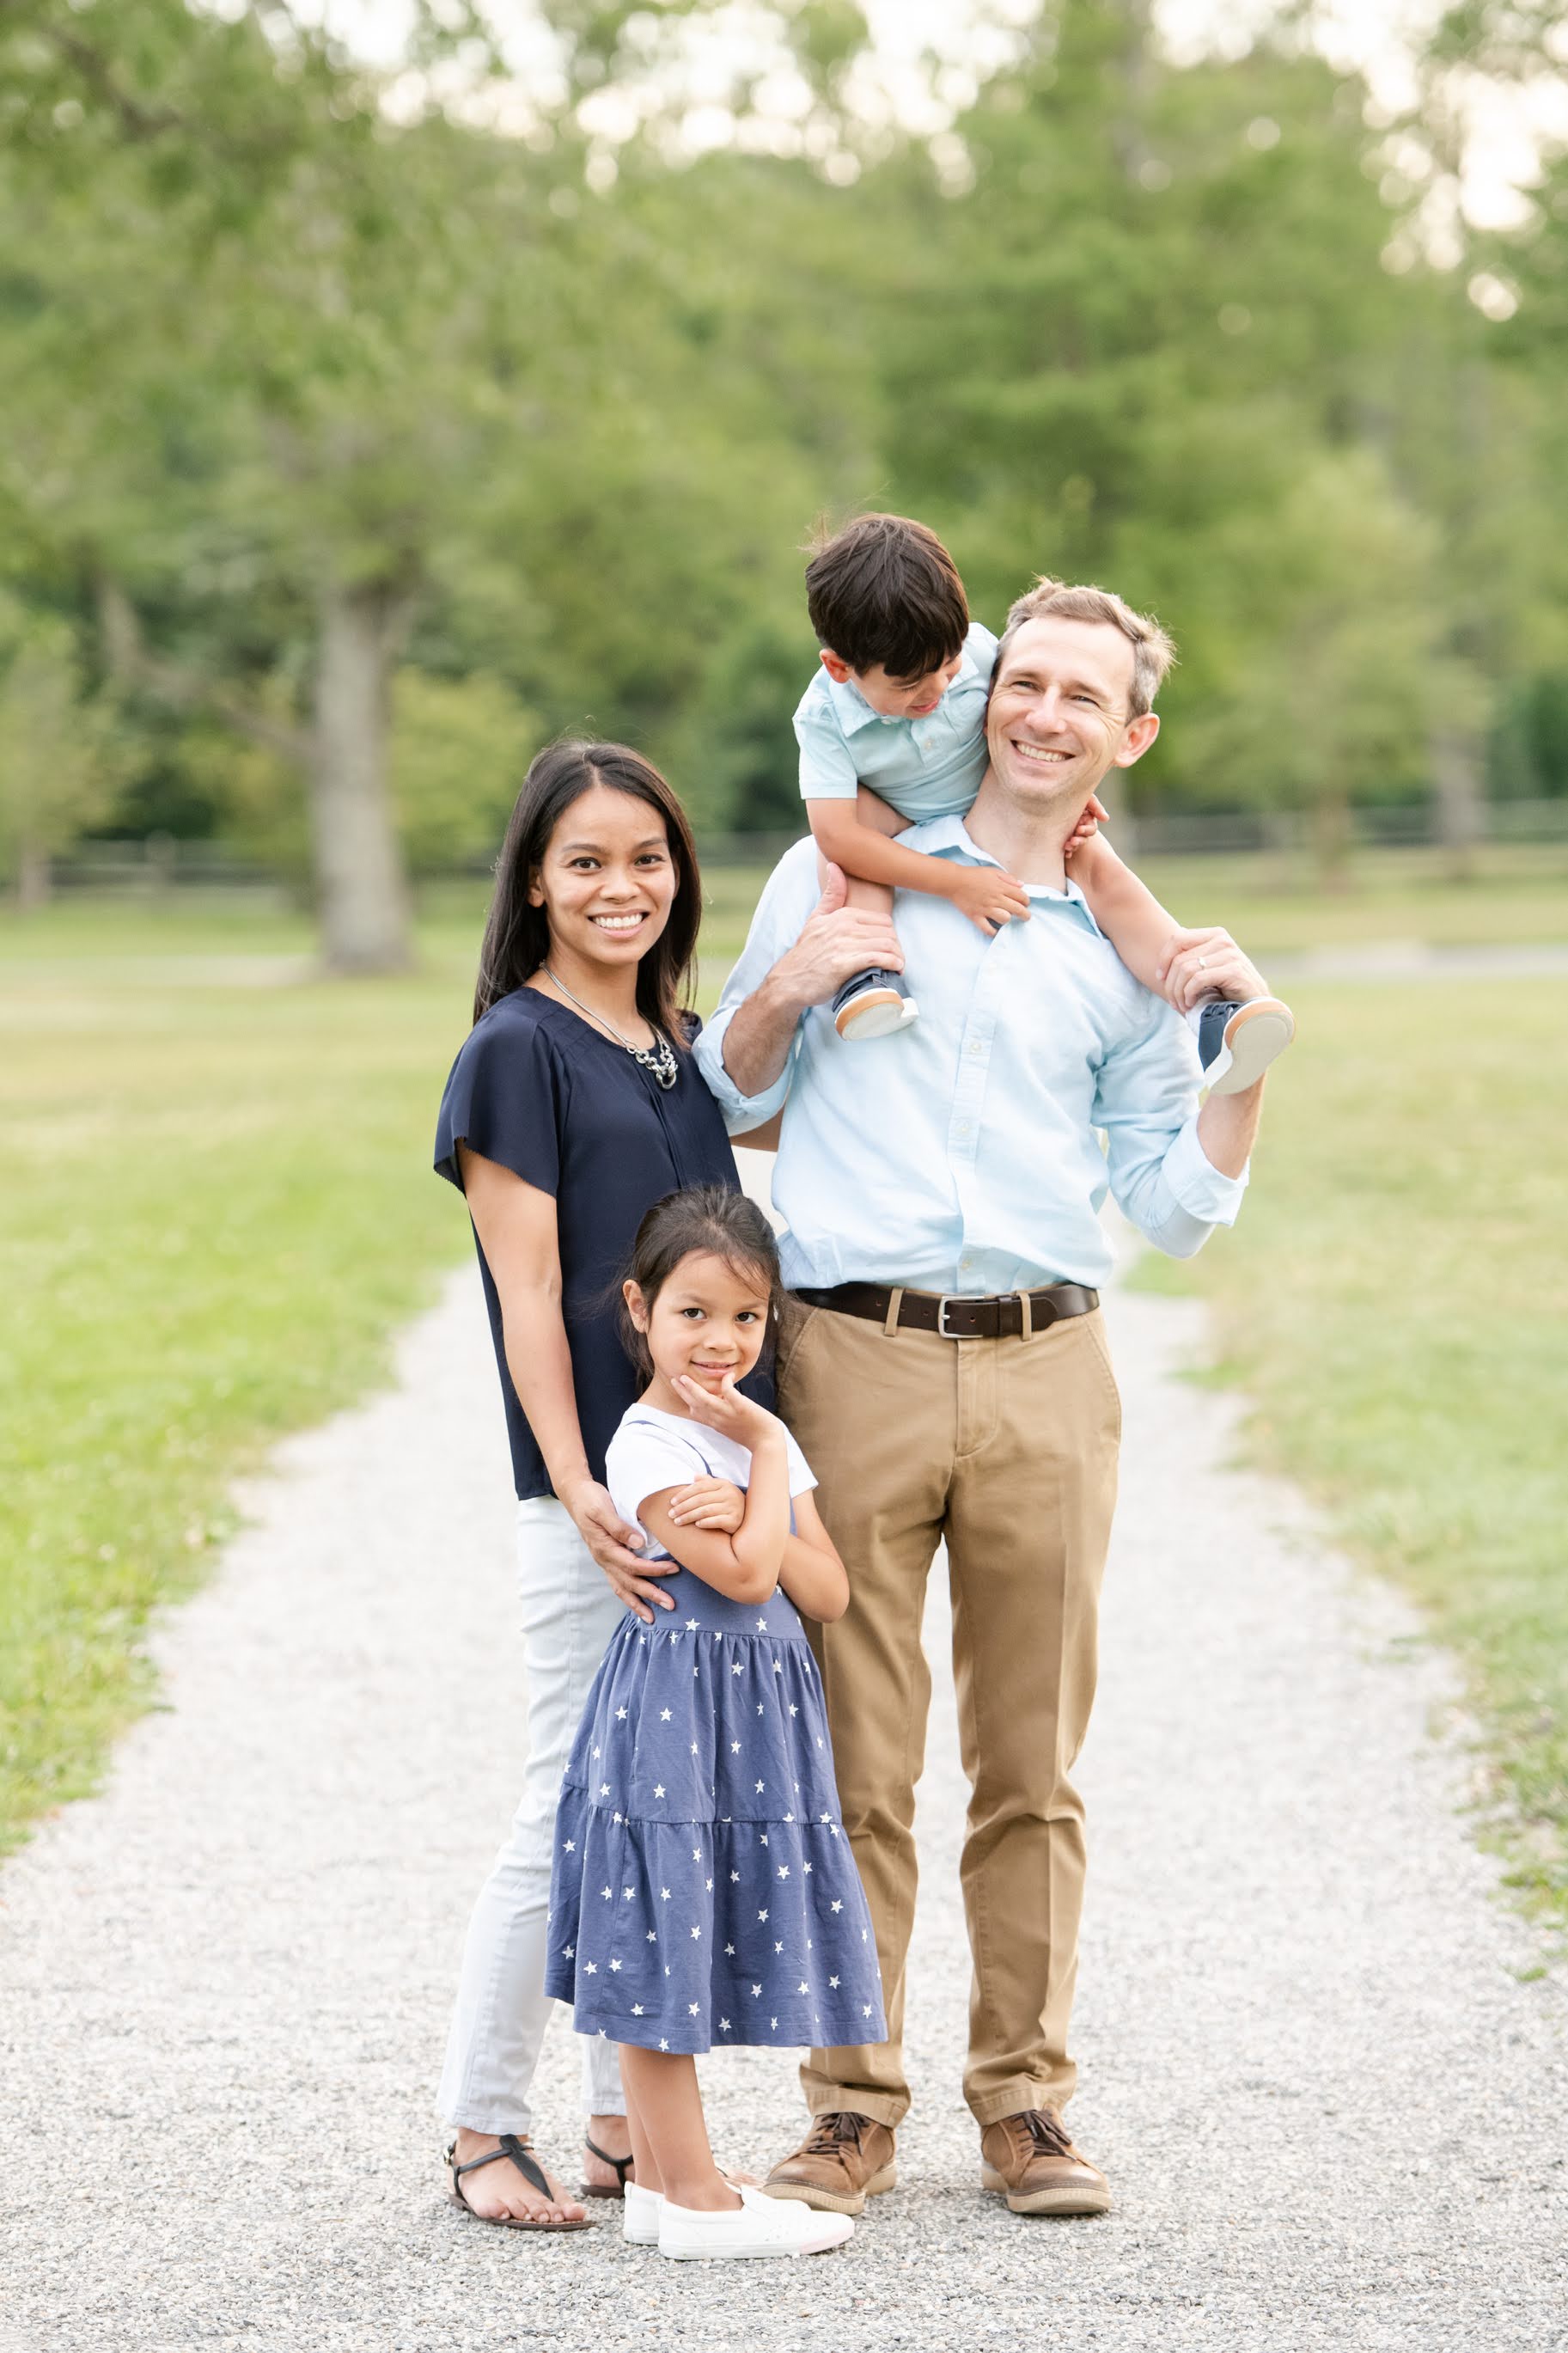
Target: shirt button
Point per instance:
(962, 1128)
(976, 1048)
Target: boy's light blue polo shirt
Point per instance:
(922, 767)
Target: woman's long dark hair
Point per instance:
(516, 935)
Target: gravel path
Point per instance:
(1331, 2109)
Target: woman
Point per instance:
(572, 1106)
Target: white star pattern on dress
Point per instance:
(627, 1892)
(691, 1625)
(761, 1786)
(590, 1968)
(836, 1905)
(774, 2024)
(603, 1788)
(569, 1846)
(734, 1748)
(606, 1891)
(731, 1950)
(637, 2006)
(759, 1707)
(723, 2026)
(662, 2044)
(804, 1868)
(792, 1709)
(783, 1871)
(738, 1669)
(762, 1625)
(696, 1855)
(663, 1715)
(802, 1986)
(734, 1879)
(834, 1982)
(615, 1965)
(652, 1932)
(778, 1667)
(664, 1895)
(570, 1951)
(762, 1915)
(756, 1992)
(779, 1945)
(692, 2009)
(697, 1931)
(659, 1789)
(620, 1715)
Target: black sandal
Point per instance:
(623, 2166)
(518, 2153)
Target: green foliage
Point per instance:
(56, 750)
(266, 340)
(460, 750)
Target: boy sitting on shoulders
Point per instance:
(892, 732)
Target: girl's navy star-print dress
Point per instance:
(703, 1889)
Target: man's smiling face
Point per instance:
(1059, 715)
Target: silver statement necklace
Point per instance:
(660, 1058)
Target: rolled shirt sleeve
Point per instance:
(788, 897)
(1146, 1099)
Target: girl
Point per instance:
(703, 1891)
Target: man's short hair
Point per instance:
(885, 591)
(1153, 651)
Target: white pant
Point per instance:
(569, 1614)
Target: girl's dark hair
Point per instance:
(884, 590)
(709, 1217)
(516, 935)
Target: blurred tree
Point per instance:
(459, 751)
(56, 768)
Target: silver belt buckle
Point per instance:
(943, 1304)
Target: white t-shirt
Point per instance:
(652, 1450)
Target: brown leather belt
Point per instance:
(952, 1315)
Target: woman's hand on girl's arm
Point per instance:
(515, 1222)
(812, 1573)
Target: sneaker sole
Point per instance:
(830, 2201)
(1259, 1035)
(877, 1014)
(1046, 2202)
(752, 2251)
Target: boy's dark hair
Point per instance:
(707, 1218)
(884, 590)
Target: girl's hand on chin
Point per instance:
(723, 1408)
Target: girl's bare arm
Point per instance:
(812, 1573)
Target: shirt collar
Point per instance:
(942, 834)
(850, 707)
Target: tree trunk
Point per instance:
(34, 888)
(1457, 773)
(361, 891)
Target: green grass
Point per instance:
(215, 1208)
(216, 1205)
(1393, 1299)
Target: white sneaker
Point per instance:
(1238, 1042)
(639, 2216)
(758, 2226)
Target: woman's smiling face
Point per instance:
(606, 881)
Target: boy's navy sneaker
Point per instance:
(1238, 1042)
(873, 1004)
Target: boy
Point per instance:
(892, 731)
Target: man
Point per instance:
(942, 1363)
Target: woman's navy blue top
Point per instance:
(538, 1089)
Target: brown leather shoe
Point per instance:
(1031, 2160)
(843, 2161)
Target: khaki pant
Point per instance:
(1007, 1449)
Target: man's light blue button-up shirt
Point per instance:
(961, 1154)
(922, 767)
